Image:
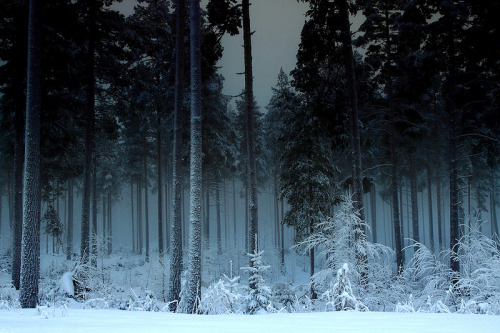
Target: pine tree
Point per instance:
(30, 248)
(194, 269)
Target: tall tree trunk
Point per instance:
(176, 243)
(132, 214)
(252, 168)
(282, 234)
(139, 215)
(194, 271)
(217, 208)
(104, 224)
(1, 202)
(69, 232)
(110, 224)
(429, 204)
(355, 145)
(493, 207)
(206, 224)
(160, 191)
(235, 234)
(311, 251)
(18, 195)
(414, 199)
(30, 245)
(373, 206)
(89, 134)
(94, 214)
(395, 199)
(146, 204)
(10, 195)
(167, 213)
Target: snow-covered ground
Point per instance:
(78, 320)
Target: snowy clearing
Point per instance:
(77, 320)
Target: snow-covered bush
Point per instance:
(221, 297)
(335, 239)
(283, 297)
(9, 298)
(341, 297)
(258, 298)
(146, 303)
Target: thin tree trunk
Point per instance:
(94, 214)
(493, 208)
(132, 214)
(282, 234)
(89, 134)
(234, 215)
(206, 225)
(252, 168)
(104, 224)
(167, 212)
(311, 250)
(429, 204)
(176, 259)
(217, 208)
(414, 199)
(139, 215)
(146, 205)
(10, 196)
(110, 228)
(194, 271)
(30, 245)
(160, 191)
(373, 206)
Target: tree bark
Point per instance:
(160, 190)
(252, 168)
(146, 204)
(132, 214)
(139, 215)
(373, 206)
(69, 232)
(194, 271)
(110, 224)
(414, 199)
(217, 208)
(176, 243)
(30, 246)
(89, 134)
(429, 204)
(18, 195)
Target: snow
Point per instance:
(66, 284)
(80, 320)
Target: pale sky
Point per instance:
(277, 25)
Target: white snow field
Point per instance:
(88, 320)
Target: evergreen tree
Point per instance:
(30, 248)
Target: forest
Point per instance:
(369, 181)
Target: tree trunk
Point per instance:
(176, 243)
(110, 229)
(132, 214)
(493, 209)
(217, 208)
(282, 234)
(414, 199)
(30, 245)
(139, 215)
(160, 191)
(89, 134)
(429, 204)
(194, 271)
(146, 205)
(18, 195)
(235, 234)
(252, 169)
(167, 213)
(94, 215)
(373, 206)
(206, 225)
(104, 224)
(69, 232)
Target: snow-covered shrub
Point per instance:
(337, 244)
(283, 297)
(341, 297)
(479, 277)
(96, 303)
(258, 298)
(9, 298)
(147, 303)
(221, 297)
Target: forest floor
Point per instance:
(127, 282)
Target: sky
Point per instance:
(277, 25)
